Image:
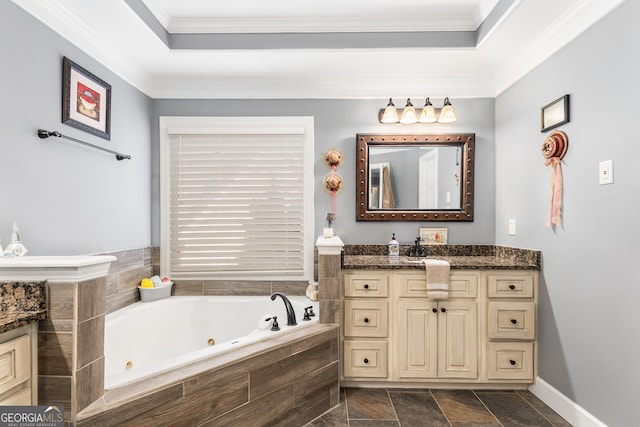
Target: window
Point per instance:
(237, 195)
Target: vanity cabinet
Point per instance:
(17, 366)
(484, 333)
(436, 339)
(512, 326)
(366, 325)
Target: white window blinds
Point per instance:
(236, 203)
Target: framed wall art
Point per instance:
(86, 100)
(554, 114)
(433, 236)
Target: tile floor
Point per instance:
(381, 407)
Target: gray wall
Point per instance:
(67, 199)
(590, 285)
(336, 125)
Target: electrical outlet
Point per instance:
(512, 227)
(605, 172)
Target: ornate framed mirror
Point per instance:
(415, 177)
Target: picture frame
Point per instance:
(433, 236)
(86, 100)
(554, 114)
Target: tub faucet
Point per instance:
(291, 315)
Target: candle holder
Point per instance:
(328, 231)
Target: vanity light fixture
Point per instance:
(389, 114)
(409, 115)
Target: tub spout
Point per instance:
(291, 315)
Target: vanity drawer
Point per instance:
(15, 366)
(366, 318)
(461, 285)
(366, 285)
(510, 361)
(510, 286)
(365, 359)
(512, 320)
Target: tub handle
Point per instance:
(310, 308)
(308, 313)
(274, 324)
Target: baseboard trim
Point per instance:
(575, 414)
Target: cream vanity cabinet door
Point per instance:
(17, 358)
(457, 339)
(436, 339)
(417, 351)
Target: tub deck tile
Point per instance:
(305, 411)
(264, 411)
(313, 340)
(118, 414)
(306, 388)
(288, 370)
(198, 404)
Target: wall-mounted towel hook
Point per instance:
(43, 134)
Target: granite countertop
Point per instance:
(10, 321)
(461, 257)
(21, 303)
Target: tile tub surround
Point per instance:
(132, 265)
(22, 303)
(289, 380)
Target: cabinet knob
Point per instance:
(435, 310)
(514, 321)
(366, 320)
(513, 362)
(367, 360)
(366, 286)
(444, 310)
(512, 286)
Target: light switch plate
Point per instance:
(512, 227)
(605, 174)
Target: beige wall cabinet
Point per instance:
(483, 333)
(18, 366)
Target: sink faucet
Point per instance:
(417, 250)
(291, 315)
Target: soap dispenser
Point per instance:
(394, 247)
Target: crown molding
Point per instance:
(161, 14)
(320, 88)
(62, 20)
(233, 25)
(563, 30)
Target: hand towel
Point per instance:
(437, 278)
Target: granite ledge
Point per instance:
(461, 257)
(22, 303)
(11, 321)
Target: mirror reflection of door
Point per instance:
(376, 180)
(428, 180)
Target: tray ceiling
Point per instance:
(293, 49)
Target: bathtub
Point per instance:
(145, 339)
